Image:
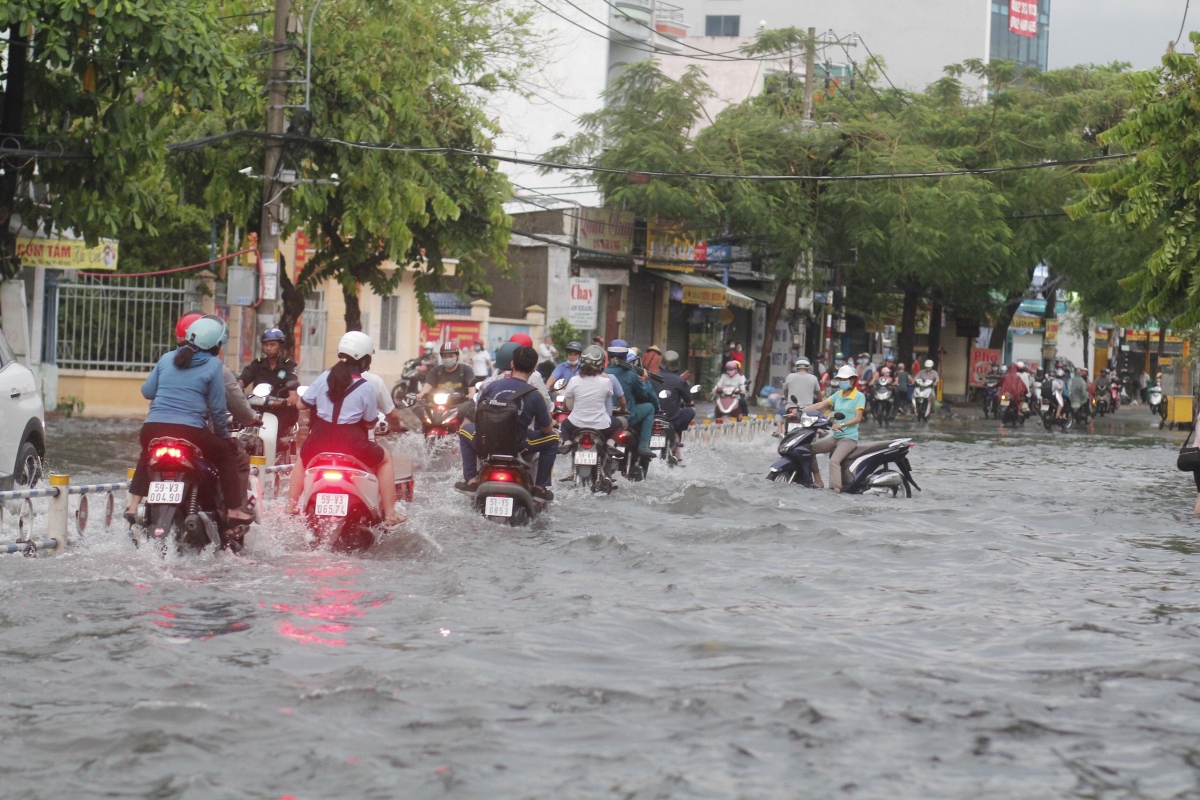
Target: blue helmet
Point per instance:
(207, 332)
(271, 335)
(618, 347)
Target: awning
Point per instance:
(759, 295)
(701, 291)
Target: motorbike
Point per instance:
(265, 438)
(883, 406)
(1051, 421)
(1010, 412)
(867, 469)
(404, 391)
(991, 397)
(559, 413)
(1081, 411)
(592, 466)
(505, 490)
(1157, 406)
(184, 503)
(625, 451)
(923, 399)
(663, 436)
(728, 404)
(439, 415)
(1114, 396)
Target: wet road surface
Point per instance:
(1025, 627)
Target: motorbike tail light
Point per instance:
(168, 452)
(501, 475)
(331, 475)
(624, 436)
(659, 426)
(587, 441)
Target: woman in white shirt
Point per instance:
(588, 395)
(481, 362)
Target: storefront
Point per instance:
(700, 308)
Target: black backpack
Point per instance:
(498, 430)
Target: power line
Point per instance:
(725, 55)
(1186, 7)
(882, 71)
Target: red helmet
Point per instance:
(522, 339)
(184, 323)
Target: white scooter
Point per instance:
(727, 404)
(264, 439)
(923, 399)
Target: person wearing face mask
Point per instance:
(852, 405)
(481, 362)
(569, 368)
(866, 370)
(450, 376)
(827, 375)
(733, 378)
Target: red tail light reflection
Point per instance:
(331, 475)
(506, 477)
(587, 441)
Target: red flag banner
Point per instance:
(1022, 17)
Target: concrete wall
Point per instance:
(105, 394)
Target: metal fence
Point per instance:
(119, 326)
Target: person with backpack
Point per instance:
(344, 413)
(511, 410)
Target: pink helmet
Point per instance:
(731, 365)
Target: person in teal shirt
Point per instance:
(852, 405)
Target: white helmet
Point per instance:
(1020, 365)
(802, 363)
(847, 372)
(429, 347)
(929, 363)
(356, 344)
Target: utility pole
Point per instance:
(277, 83)
(810, 77)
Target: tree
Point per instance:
(383, 73)
(91, 93)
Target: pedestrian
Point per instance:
(1144, 386)
(481, 362)
(547, 353)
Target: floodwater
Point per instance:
(1026, 627)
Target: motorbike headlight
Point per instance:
(560, 399)
(441, 398)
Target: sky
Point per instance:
(1103, 31)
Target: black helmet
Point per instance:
(576, 346)
(593, 357)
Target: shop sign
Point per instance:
(983, 361)
(462, 333)
(584, 303)
(667, 248)
(1026, 323)
(38, 251)
(606, 230)
(1022, 17)
(704, 295)
(1051, 332)
(737, 258)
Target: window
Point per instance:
(722, 26)
(389, 317)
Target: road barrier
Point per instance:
(709, 431)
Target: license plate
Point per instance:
(585, 457)
(165, 492)
(1004, 403)
(658, 442)
(619, 449)
(498, 506)
(793, 426)
(332, 505)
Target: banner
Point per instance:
(37, 251)
(584, 303)
(1051, 332)
(606, 230)
(704, 295)
(667, 248)
(983, 361)
(1022, 17)
(461, 333)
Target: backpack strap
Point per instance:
(337, 404)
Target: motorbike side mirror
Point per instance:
(560, 384)
(696, 389)
(839, 416)
(664, 394)
(302, 390)
(262, 390)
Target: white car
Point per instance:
(22, 424)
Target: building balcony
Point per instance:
(632, 19)
(668, 21)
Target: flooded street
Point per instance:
(1024, 627)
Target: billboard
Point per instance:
(667, 248)
(39, 251)
(982, 362)
(462, 333)
(1022, 17)
(584, 303)
(606, 230)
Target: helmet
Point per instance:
(802, 363)
(449, 349)
(1083, 372)
(865, 355)
(271, 335)
(208, 332)
(889, 357)
(593, 356)
(504, 354)
(670, 359)
(576, 346)
(846, 373)
(523, 339)
(1021, 365)
(356, 344)
(654, 349)
(929, 363)
(731, 365)
(838, 354)
(184, 323)
(885, 371)
(428, 347)
(1058, 373)
(618, 347)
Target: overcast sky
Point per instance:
(1102, 31)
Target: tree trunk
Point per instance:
(908, 324)
(764, 360)
(12, 123)
(1085, 325)
(293, 309)
(1162, 340)
(935, 334)
(353, 312)
(1000, 328)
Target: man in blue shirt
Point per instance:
(533, 418)
(640, 398)
(569, 368)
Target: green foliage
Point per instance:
(562, 333)
(69, 406)
(181, 237)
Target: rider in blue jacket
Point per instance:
(640, 398)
